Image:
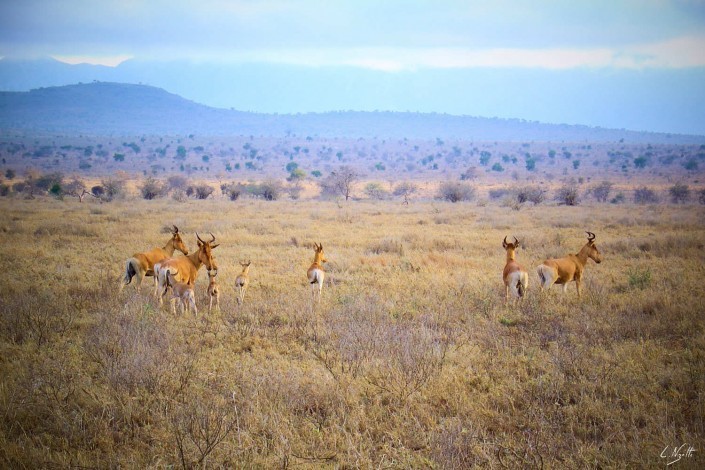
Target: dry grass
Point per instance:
(411, 360)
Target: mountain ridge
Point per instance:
(109, 108)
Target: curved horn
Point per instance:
(212, 238)
(176, 229)
(199, 238)
(516, 242)
(591, 236)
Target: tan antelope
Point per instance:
(182, 293)
(242, 281)
(569, 268)
(316, 273)
(213, 291)
(515, 277)
(185, 268)
(142, 264)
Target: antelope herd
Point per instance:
(179, 273)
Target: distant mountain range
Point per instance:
(105, 108)
(654, 100)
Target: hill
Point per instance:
(105, 108)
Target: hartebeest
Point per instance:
(213, 291)
(182, 293)
(515, 277)
(569, 268)
(142, 264)
(185, 268)
(316, 273)
(242, 281)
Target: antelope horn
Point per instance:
(212, 238)
(591, 236)
(504, 242)
(199, 238)
(176, 229)
(516, 242)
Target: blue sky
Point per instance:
(394, 39)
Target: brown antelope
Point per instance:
(514, 275)
(569, 268)
(182, 293)
(142, 264)
(185, 268)
(242, 281)
(316, 273)
(213, 291)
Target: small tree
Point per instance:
(233, 190)
(602, 191)
(376, 191)
(680, 193)
(200, 191)
(152, 189)
(455, 191)
(340, 182)
(112, 188)
(568, 194)
(645, 195)
(10, 173)
(531, 194)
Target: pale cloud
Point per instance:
(110, 61)
(681, 52)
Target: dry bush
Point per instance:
(455, 191)
(387, 245)
(645, 195)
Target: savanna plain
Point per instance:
(411, 359)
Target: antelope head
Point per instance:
(510, 247)
(205, 254)
(177, 241)
(320, 256)
(593, 252)
(245, 266)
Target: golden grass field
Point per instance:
(411, 360)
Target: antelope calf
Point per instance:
(515, 277)
(569, 268)
(213, 291)
(242, 281)
(316, 273)
(182, 293)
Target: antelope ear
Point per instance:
(213, 247)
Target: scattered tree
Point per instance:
(568, 194)
(602, 191)
(645, 195)
(340, 182)
(680, 193)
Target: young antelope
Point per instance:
(242, 281)
(182, 293)
(316, 273)
(213, 291)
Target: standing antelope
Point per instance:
(182, 293)
(185, 268)
(316, 273)
(569, 268)
(213, 291)
(242, 281)
(514, 275)
(142, 264)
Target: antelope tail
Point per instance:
(520, 288)
(130, 270)
(542, 276)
